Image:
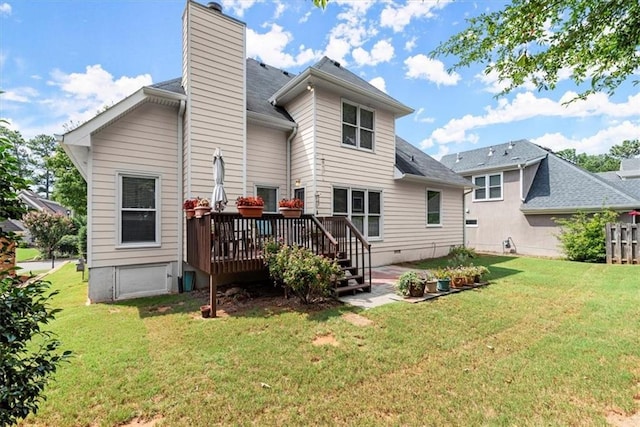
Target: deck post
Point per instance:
(213, 291)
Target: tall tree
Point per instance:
(19, 150)
(591, 162)
(42, 147)
(10, 180)
(70, 188)
(533, 40)
(626, 150)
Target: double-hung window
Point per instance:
(270, 197)
(357, 126)
(139, 221)
(363, 207)
(434, 207)
(489, 187)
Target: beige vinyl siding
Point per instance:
(405, 235)
(215, 70)
(145, 142)
(266, 159)
(302, 145)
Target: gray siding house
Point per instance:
(520, 189)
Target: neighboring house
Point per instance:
(325, 136)
(32, 201)
(521, 188)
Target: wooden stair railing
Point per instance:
(354, 255)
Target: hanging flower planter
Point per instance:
(291, 208)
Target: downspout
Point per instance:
(464, 217)
(521, 167)
(293, 133)
(180, 187)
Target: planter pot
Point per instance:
(205, 310)
(202, 210)
(291, 212)
(251, 211)
(476, 278)
(443, 285)
(416, 290)
(190, 213)
(431, 286)
(458, 282)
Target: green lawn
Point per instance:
(547, 343)
(27, 254)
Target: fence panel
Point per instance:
(622, 243)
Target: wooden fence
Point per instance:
(622, 243)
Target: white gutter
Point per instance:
(293, 133)
(181, 111)
(521, 167)
(464, 217)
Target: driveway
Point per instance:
(38, 266)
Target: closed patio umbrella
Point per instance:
(219, 197)
(634, 213)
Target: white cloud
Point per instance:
(279, 9)
(5, 9)
(352, 30)
(410, 44)
(304, 18)
(423, 67)
(379, 83)
(398, 17)
(443, 150)
(601, 142)
(417, 118)
(382, 51)
(527, 105)
(270, 48)
(494, 85)
(20, 94)
(237, 7)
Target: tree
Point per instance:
(19, 151)
(626, 150)
(42, 147)
(533, 40)
(11, 181)
(70, 187)
(583, 237)
(591, 162)
(47, 229)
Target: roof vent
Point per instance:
(511, 144)
(458, 157)
(506, 153)
(286, 73)
(336, 63)
(412, 159)
(491, 151)
(263, 65)
(215, 6)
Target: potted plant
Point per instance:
(479, 271)
(443, 277)
(410, 284)
(189, 207)
(458, 277)
(291, 208)
(250, 207)
(203, 206)
(431, 283)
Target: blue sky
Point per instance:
(62, 61)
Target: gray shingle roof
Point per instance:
(173, 85)
(503, 157)
(262, 82)
(413, 161)
(559, 184)
(630, 164)
(334, 68)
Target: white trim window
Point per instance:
(363, 207)
(138, 210)
(270, 196)
(489, 187)
(434, 208)
(357, 126)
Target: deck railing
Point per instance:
(229, 243)
(622, 243)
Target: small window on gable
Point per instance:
(138, 210)
(489, 187)
(357, 126)
(434, 207)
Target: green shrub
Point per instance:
(28, 354)
(407, 280)
(462, 251)
(68, 245)
(582, 236)
(300, 271)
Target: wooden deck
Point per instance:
(227, 243)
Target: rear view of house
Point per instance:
(325, 136)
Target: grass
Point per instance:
(547, 343)
(27, 254)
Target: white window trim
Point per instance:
(426, 193)
(137, 245)
(366, 203)
(271, 187)
(357, 126)
(486, 177)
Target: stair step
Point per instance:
(344, 262)
(352, 288)
(351, 269)
(345, 280)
